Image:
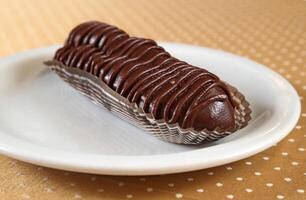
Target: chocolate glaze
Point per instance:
(146, 74)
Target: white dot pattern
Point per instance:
(219, 184)
(230, 196)
(248, 190)
(280, 196)
(301, 191)
(239, 178)
(257, 174)
(179, 195)
(200, 190)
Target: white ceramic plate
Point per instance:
(46, 122)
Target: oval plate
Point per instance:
(45, 122)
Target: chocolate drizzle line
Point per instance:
(145, 74)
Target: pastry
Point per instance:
(138, 80)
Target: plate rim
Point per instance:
(121, 165)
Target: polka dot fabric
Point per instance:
(270, 32)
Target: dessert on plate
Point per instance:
(139, 81)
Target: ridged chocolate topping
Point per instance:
(146, 74)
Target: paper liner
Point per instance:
(102, 94)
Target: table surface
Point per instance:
(270, 32)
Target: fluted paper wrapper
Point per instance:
(103, 95)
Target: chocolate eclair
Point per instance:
(139, 81)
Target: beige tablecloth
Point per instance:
(269, 32)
